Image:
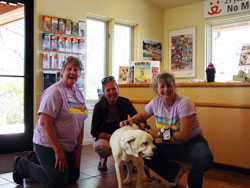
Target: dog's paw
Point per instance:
(126, 181)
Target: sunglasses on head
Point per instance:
(107, 79)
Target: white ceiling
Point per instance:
(166, 4)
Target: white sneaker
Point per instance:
(177, 178)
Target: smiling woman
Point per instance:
(108, 112)
(71, 70)
(58, 134)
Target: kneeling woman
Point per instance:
(58, 134)
(178, 113)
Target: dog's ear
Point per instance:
(126, 144)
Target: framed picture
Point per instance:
(182, 52)
(152, 50)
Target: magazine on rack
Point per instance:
(81, 29)
(46, 41)
(46, 23)
(75, 28)
(54, 60)
(81, 46)
(74, 42)
(45, 60)
(53, 44)
(49, 78)
(61, 25)
(54, 25)
(61, 43)
(68, 27)
(68, 44)
(61, 59)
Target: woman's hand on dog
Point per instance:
(126, 122)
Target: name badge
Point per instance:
(166, 135)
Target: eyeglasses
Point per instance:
(107, 79)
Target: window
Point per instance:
(98, 52)
(227, 41)
(96, 57)
(122, 50)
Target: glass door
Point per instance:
(16, 76)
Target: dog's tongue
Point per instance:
(143, 156)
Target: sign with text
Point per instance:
(213, 8)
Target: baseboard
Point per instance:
(87, 141)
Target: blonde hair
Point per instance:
(165, 78)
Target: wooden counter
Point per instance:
(223, 110)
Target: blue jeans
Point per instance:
(196, 151)
(41, 168)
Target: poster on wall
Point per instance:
(152, 50)
(245, 55)
(182, 52)
(213, 8)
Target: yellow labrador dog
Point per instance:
(129, 143)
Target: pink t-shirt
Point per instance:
(169, 117)
(69, 111)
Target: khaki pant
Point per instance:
(102, 148)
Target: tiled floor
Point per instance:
(92, 178)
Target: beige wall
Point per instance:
(147, 16)
(186, 17)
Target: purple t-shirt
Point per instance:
(69, 111)
(169, 117)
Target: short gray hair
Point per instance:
(71, 59)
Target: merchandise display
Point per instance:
(61, 38)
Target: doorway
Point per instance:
(16, 75)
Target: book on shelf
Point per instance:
(131, 75)
(54, 25)
(81, 29)
(45, 60)
(74, 43)
(155, 71)
(61, 59)
(142, 72)
(81, 46)
(46, 41)
(54, 60)
(68, 27)
(75, 28)
(123, 74)
(61, 25)
(155, 68)
(53, 43)
(68, 44)
(46, 23)
(61, 43)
